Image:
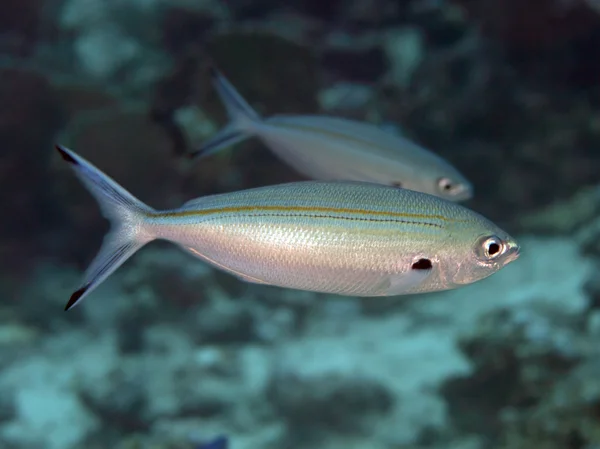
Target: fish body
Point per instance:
(349, 238)
(337, 149)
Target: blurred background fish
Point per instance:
(332, 148)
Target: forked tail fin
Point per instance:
(127, 216)
(243, 119)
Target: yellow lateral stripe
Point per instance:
(203, 212)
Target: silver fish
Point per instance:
(337, 149)
(348, 238)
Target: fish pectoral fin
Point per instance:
(401, 283)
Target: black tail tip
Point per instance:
(65, 154)
(75, 297)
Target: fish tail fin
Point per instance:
(242, 118)
(127, 216)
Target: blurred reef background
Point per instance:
(170, 352)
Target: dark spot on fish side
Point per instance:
(75, 297)
(397, 184)
(422, 264)
(65, 155)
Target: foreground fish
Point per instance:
(359, 239)
(337, 149)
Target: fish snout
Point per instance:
(462, 192)
(513, 252)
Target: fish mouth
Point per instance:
(462, 192)
(514, 251)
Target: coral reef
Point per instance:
(535, 380)
(30, 115)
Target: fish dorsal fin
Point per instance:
(204, 201)
(193, 203)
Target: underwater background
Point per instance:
(170, 353)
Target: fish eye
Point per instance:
(489, 248)
(445, 184)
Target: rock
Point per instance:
(84, 98)
(519, 356)
(592, 289)
(101, 46)
(183, 29)
(114, 42)
(36, 426)
(15, 335)
(20, 23)
(322, 381)
(405, 50)
(564, 217)
(338, 404)
(566, 30)
(44, 381)
(376, 13)
(565, 417)
(24, 163)
(263, 66)
(346, 99)
(195, 125)
(359, 59)
(588, 236)
(118, 398)
(200, 382)
(83, 14)
(554, 21)
(103, 51)
(48, 290)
